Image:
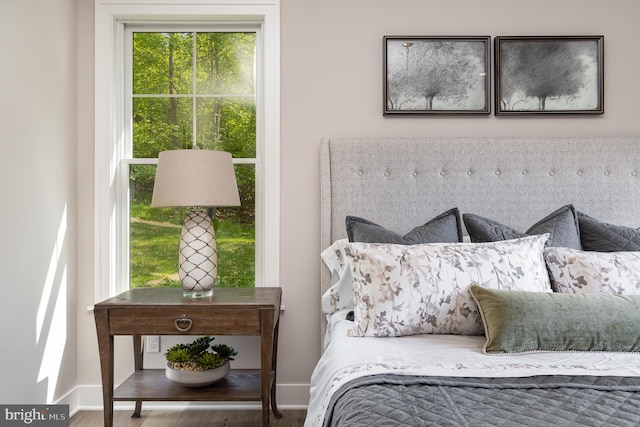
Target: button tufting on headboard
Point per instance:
(537, 175)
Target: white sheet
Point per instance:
(346, 358)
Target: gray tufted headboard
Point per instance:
(400, 183)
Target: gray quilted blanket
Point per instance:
(392, 400)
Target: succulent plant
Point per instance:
(196, 356)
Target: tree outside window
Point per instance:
(191, 89)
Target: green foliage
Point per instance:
(162, 62)
(171, 110)
(196, 355)
(224, 92)
(209, 361)
(224, 351)
(178, 355)
(199, 345)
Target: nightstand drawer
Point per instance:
(188, 321)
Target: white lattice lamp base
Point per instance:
(198, 255)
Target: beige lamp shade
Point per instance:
(195, 178)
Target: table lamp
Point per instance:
(197, 179)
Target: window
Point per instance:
(167, 78)
(189, 90)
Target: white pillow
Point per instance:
(340, 294)
(406, 290)
(585, 272)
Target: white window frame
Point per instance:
(111, 17)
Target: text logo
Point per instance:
(34, 415)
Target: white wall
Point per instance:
(38, 215)
(331, 86)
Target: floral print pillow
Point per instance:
(424, 289)
(340, 294)
(585, 272)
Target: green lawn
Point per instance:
(154, 252)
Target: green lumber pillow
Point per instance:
(524, 322)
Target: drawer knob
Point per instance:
(183, 324)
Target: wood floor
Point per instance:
(188, 418)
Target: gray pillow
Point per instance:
(562, 226)
(444, 228)
(524, 322)
(600, 236)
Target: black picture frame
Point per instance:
(436, 75)
(549, 75)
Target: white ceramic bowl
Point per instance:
(197, 378)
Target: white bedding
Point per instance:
(346, 358)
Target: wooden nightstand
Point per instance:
(163, 311)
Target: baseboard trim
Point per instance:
(89, 398)
(71, 399)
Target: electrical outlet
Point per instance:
(153, 344)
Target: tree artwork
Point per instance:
(548, 75)
(430, 75)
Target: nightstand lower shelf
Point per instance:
(153, 385)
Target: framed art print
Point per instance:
(436, 75)
(549, 75)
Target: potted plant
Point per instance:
(194, 365)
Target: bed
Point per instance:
(491, 322)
